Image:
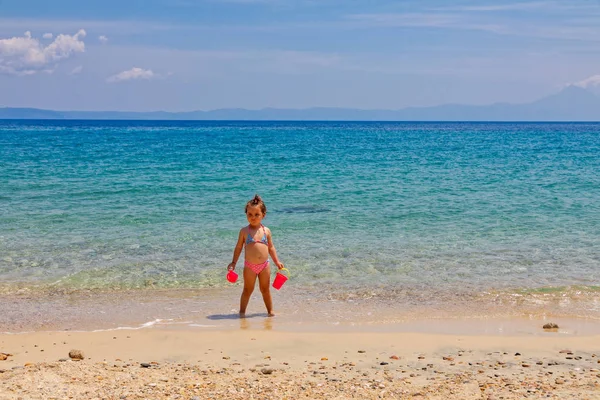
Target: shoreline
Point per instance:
(262, 363)
(302, 309)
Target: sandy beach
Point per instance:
(258, 362)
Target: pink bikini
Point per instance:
(257, 268)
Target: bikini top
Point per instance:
(264, 240)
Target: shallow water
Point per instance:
(405, 210)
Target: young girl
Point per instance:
(259, 245)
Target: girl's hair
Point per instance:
(257, 201)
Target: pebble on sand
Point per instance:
(76, 355)
(550, 325)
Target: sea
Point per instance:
(106, 223)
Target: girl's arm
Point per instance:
(237, 251)
(272, 251)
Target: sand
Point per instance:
(263, 363)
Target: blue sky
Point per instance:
(181, 55)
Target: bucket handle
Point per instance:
(284, 269)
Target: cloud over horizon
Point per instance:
(587, 83)
(132, 74)
(25, 55)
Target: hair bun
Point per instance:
(257, 201)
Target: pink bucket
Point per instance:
(232, 276)
(280, 279)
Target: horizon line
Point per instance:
(308, 120)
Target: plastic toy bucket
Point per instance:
(232, 276)
(280, 279)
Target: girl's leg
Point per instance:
(249, 282)
(264, 281)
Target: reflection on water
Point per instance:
(268, 324)
(265, 323)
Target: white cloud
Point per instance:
(103, 39)
(543, 28)
(500, 7)
(47, 36)
(592, 81)
(423, 20)
(132, 74)
(407, 19)
(76, 70)
(25, 55)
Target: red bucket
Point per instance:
(280, 279)
(232, 276)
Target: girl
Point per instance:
(259, 245)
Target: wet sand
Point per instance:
(426, 310)
(257, 361)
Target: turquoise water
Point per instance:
(476, 206)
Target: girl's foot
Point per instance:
(242, 314)
(271, 314)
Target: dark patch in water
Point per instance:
(304, 210)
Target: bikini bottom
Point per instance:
(257, 268)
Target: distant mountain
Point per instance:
(29, 113)
(571, 104)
